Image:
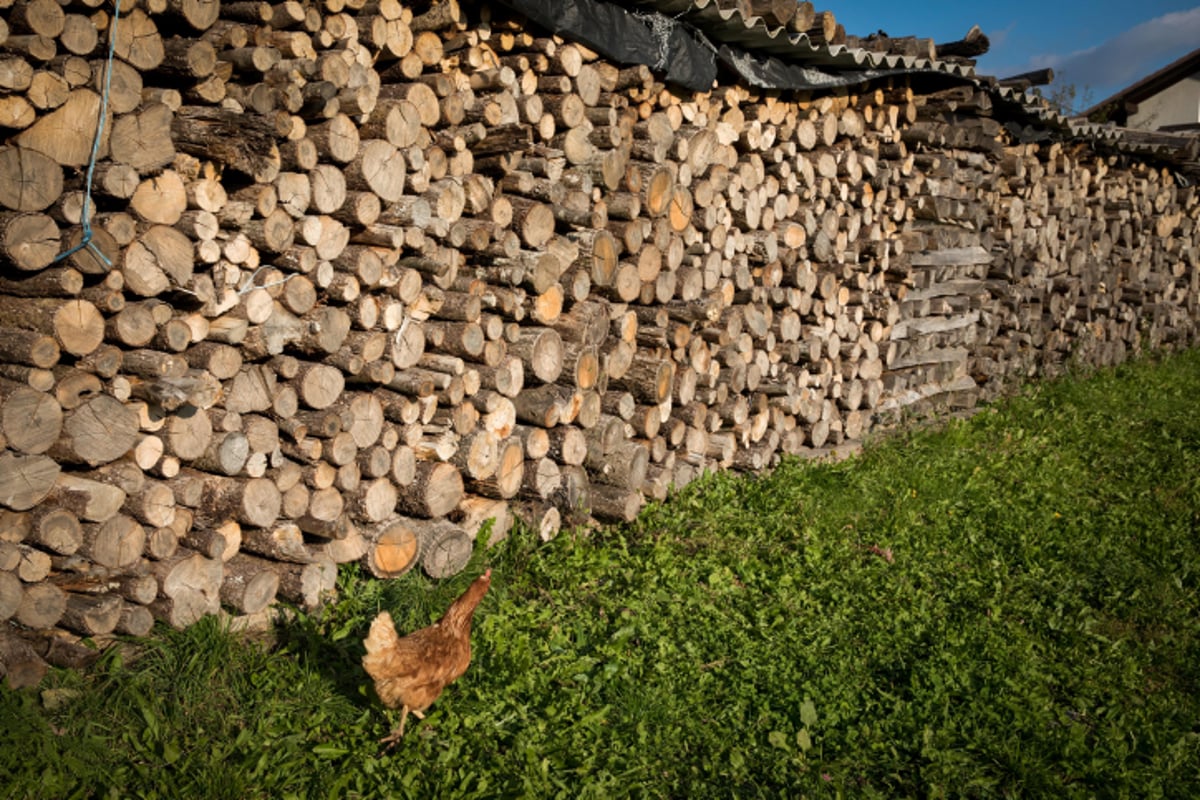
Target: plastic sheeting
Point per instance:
(672, 48)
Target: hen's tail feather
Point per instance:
(382, 635)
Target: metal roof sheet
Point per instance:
(726, 24)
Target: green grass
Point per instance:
(1005, 607)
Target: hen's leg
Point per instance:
(395, 736)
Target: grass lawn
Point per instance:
(1004, 607)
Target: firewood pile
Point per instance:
(338, 282)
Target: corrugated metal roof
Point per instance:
(724, 23)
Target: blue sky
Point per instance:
(1100, 46)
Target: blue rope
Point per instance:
(86, 216)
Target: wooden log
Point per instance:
(250, 583)
(20, 665)
(324, 516)
(394, 548)
(55, 529)
(567, 445)
(647, 379)
(505, 481)
(244, 143)
(33, 565)
(30, 421)
(29, 179)
(19, 346)
(61, 649)
(14, 525)
(30, 241)
(541, 479)
(189, 586)
(540, 351)
(11, 592)
(254, 501)
(154, 505)
(615, 504)
(89, 499)
(309, 585)
(162, 543)
(507, 377)
(92, 615)
(140, 588)
(545, 406)
(135, 620)
(318, 385)
(64, 135)
(445, 547)
(543, 518)
(116, 543)
(26, 480)
(436, 488)
(283, 542)
(225, 455)
(478, 455)
(188, 433)
(42, 606)
(484, 517)
(975, 43)
(624, 466)
(76, 325)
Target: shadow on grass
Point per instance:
(330, 647)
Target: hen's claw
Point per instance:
(398, 734)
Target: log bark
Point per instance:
(55, 529)
(445, 547)
(76, 325)
(11, 592)
(436, 488)
(309, 585)
(250, 583)
(25, 481)
(30, 241)
(20, 665)
(90, 615)
(505, 481)
(116, 543)
(31, 421)
(189, 587)
(42, 606)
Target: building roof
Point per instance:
(1117, 107)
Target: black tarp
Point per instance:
(669, 47)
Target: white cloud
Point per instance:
(1128, 57)
(998, 39)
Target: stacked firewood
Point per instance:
(353, 278)
(1028, 257)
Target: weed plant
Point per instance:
(1006, 606)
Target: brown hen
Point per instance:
(411, 671)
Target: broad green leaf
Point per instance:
(808, 713)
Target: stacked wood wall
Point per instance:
(363, 275)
